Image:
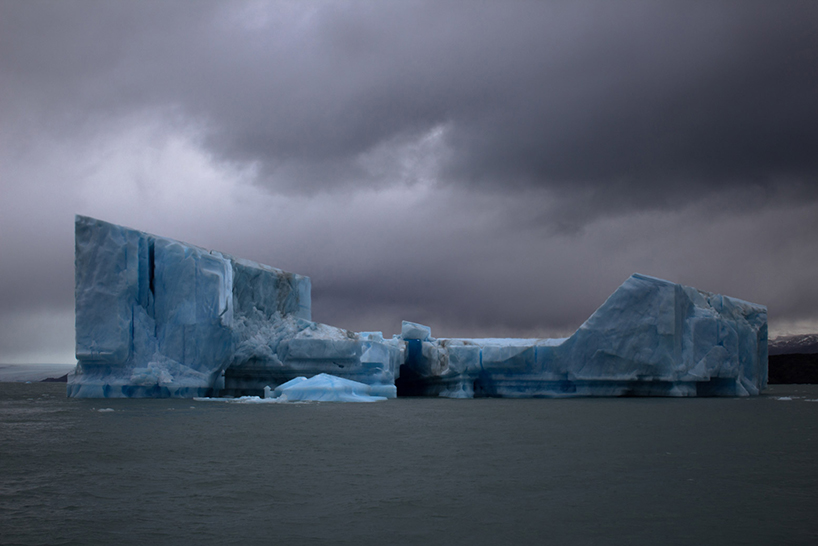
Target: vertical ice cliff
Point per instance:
(160, 318)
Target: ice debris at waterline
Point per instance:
(319, 388)
(650, 338)
(160, 318)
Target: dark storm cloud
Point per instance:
(612, 107)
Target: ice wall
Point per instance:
(160, 318)
(650, 338)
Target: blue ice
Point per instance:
(324, 388)
(650, 338)
(160, 318)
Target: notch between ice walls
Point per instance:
(160, 318)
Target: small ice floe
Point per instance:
(319, 388)
(242, 400)
(328, 388)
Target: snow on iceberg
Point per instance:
(160, 318)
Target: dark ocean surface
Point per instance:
(409, 471)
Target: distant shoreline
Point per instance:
(21, 373)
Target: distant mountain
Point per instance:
(786, 345)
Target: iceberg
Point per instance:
(650, 338)
(159, 318)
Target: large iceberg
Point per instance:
(160, 318)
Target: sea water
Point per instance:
(409, 471)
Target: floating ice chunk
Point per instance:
(240, 400)
(324, 388)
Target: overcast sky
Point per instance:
(487, 168)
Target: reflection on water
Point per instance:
(408, 471)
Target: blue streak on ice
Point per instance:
(160, 318)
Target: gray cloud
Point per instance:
(642, 104)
